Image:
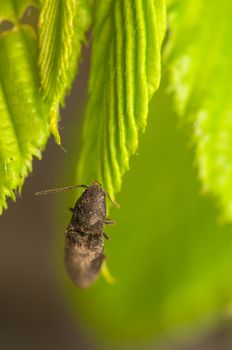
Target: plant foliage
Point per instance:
(176, 270)
(23, 125)
(125, 73)
(24, 115)
(199, 59)
(61, 28)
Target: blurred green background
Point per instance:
(168, 252)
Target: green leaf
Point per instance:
(23, 117)
(125, 73)
(12, 10)
(199, 56)
(82, 21)
(62, 26)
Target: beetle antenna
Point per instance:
(63, 189)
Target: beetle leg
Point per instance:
(71, 209)
(109, 222)
(105, 235)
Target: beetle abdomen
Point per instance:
(83, 256)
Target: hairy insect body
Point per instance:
(90, 211)
(84, 243)
(83, 256)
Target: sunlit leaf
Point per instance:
(23, 123)
(199, 56)
(62, 26)
(125, 73)
(82, 21)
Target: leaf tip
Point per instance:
(107, 274)
(53, 117)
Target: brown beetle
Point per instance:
(84, 236)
